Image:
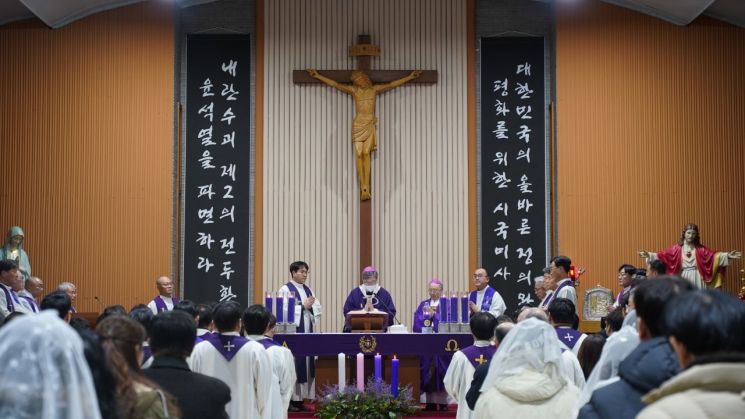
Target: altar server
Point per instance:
(308, 312)
(240, 363)
(370, 295)
(485, 298)
(460, 373)
(561, 316)
(259, 323)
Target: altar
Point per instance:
(407, 347)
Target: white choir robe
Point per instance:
(572, 370)
(458, 380)
(283, 366)
(304, 390)
(568, 292)
(249, 376)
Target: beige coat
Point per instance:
(704, 391)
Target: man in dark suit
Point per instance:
(172, 340)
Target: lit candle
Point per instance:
(280, 309)
(360, 371)
(454, 309)
(342, 372)
(378, 368)
(268, 303)
(291, 308)
(394, 377)
(444, 310)
(464, 308)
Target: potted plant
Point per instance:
(376, 402)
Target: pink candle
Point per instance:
(360, 371)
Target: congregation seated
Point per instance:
(649, 364)
(705, 329)
(526, 378)
(60, 302)
(479, 374)
(44, 371)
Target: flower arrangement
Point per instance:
(376, 402)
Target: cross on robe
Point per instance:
(569, 337)
(363, 51)
(229, 346)
(480, 359)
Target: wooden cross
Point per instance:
(363, 51)
(480, 359)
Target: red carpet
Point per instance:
(422, 415)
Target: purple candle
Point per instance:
(280, 309)
(453, 309)
(394, 377)
(378, 368)
(443, 310)
(464, 308)
(291, 308)
(268, 303)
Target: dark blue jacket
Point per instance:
(652, 363)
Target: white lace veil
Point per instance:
(618, 346)
(43, 372)
(532, 344)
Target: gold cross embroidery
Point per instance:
(480, 359)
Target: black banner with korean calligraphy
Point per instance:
(513, 180)
(217, 156)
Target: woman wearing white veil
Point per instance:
(44, 372)
(618, 346)
(525, 378)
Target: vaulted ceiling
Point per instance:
(58, 13)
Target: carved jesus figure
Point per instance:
(364, 136)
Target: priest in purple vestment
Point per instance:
(431, 368)
(370, 295)
(165, 301)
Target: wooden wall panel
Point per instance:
(650, 136)
(86, 117)
(419, 176)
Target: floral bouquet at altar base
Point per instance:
(376, 402)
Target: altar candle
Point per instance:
(280, 309)
(454, 309)
(268, 303)
(291, 308)
(378, 367)
(360, 371)
(394, 377)
(342, 372)
(443, 310)
(464, 308)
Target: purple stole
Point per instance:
(8, 298)
(478, 355)
(555, 293)
(486, 302)
(72, 310)
(147, 353)
(227, 345)
(568, 336)
(268, 343)
(300, 371)
(620, 296)
(32, 303)
(160, 305)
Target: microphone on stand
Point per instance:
(387, 309)
(103, 306)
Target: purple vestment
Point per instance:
(486, 301)
(8, 298)
(555, 293)
(478, 355)
(227, 345)
(268, 343)
(568, 336)
(147, 353)
(32, 303)
(382, 301)
(432, 369)
(160, 305)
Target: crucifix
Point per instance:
(366, 84)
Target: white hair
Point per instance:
(66, 286)
(538, 279)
